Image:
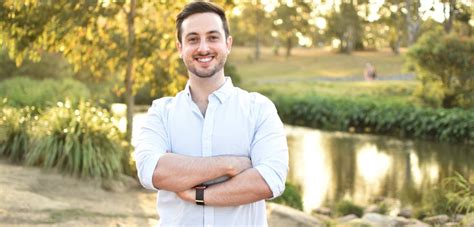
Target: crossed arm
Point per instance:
(179, 173)
(264, 178)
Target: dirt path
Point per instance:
(30, 196)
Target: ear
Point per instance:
(179, 46)
(229, 44)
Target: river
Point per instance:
(330, 166)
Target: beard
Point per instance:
(209, 72)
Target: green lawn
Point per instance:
(298, 74)
(310, 63)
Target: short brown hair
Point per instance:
(200, 7)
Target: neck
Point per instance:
(201, 88)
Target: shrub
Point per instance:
(444, 65)
(387, 118)
(15, 125)
(51, 65)
(81, 141)
(460, 193)
(454, 196)
(346, 207)
(23, 91)
(291, 197)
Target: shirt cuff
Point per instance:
(277, 186)
(148, 170)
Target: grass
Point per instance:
(299, 73)
(310, 63)
(397, 91)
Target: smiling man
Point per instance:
(214, 152)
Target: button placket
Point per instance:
(208, 128)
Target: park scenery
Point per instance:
(377, 98)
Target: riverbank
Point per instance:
(35, 197)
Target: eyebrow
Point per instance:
(208, 33)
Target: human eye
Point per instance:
(213, 38)
(192, 39)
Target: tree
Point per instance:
(392, 15)
(291, 20)
(251, 25)
(133, 41)
(346, 25)
(444, 66)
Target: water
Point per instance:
(330, 166)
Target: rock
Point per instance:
(379, 219)
(457, 218)
(286, 216)
(358, 222)
(347, 218)
(372, 209)
(402, 221)
(323, 210)
(406, 212)
(452, 224)
(437, 220)
(417, 223)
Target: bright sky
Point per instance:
(428, 9)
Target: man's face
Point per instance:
(203, 47)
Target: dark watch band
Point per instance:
(200, 194)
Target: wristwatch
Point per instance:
(200, 194)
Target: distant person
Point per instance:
(370, 73)
(214, 152)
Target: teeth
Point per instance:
(208, 59)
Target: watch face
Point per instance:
(200, 194)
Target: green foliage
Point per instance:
(14, 132)
(460, 193)
(80, 141)
(454, 196)
(345, 25)
(366, 115)
(52, 66)
(291, 197)
(346, 207)
(23, 91)
(444, 65)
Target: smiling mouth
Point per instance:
(204, 59)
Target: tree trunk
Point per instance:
(289, 45)
(129, 73)
(257, 35)
(350, 39)
(448, 22)
(412, 25)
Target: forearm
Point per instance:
(245, 188)
(179, 172)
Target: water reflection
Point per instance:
(330, 166)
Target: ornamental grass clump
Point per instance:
(81, 141)
(15, 129)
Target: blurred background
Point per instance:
(377, 97)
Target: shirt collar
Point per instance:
(222, 93)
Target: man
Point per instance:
(214, 152)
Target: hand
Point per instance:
(239, 164)
(187, 195)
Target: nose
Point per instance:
(203, 46)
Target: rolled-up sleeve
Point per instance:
(269, 149)
(151, 143)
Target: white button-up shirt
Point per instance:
(236, 123)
